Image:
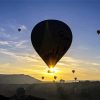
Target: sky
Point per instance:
(17, 55)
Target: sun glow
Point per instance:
(52, 70)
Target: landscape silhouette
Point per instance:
(20, 95)
(83, 90)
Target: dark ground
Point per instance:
(56, 91)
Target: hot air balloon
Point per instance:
(98, 32)
(42, 77)
(19, 29)
(73, 71)
(75, 79)
(55, 77)
(50, 71)
(62, 81)
(51, 40)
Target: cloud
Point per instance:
(4, 34)
(21, 44)
(4, 65)
(15, 26)
(18, 44)
(33, 58)
(19, 57)
(71, 60)
(2, 29)
(23, 27)
(61, 63)
(83, 48)
(75, 61)
(79, 64)
(95, 64)
(11, 30)
(28, 58)
(4, 42)
(4, 51)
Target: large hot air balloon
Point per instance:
(51, 40)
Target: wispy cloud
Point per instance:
(96, 64)
(34, 61)
(23, 27)
(61, 63)
(11, 30)
(21, 44)
(82, 48)
(79, 63)
(4, 42)
(71, 60)
(20, 57)
(33, 58)
(2, 29)
(4, 65)
(4, 51)
(4, 34)
(14, 26)
(17, 44)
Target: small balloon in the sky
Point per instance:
(51, 40)
(73, 71)
(19, 29)
(42, 77)
(55, 77)
(75, 78)
(98, 32)
(51, 71)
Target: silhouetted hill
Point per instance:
(17, 79)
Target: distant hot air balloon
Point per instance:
(51, 40)
(42, 77)
(62, 81)
(98, 32)
(73, 71)
(49, 71)
(19, 29)
(55, 77)
(75, 79)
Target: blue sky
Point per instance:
(83, 18)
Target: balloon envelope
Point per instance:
(73, 71)
(51, 40)
(55, 77)
(42, 77)
(98, 32)
(19, 29)
(75, 78)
